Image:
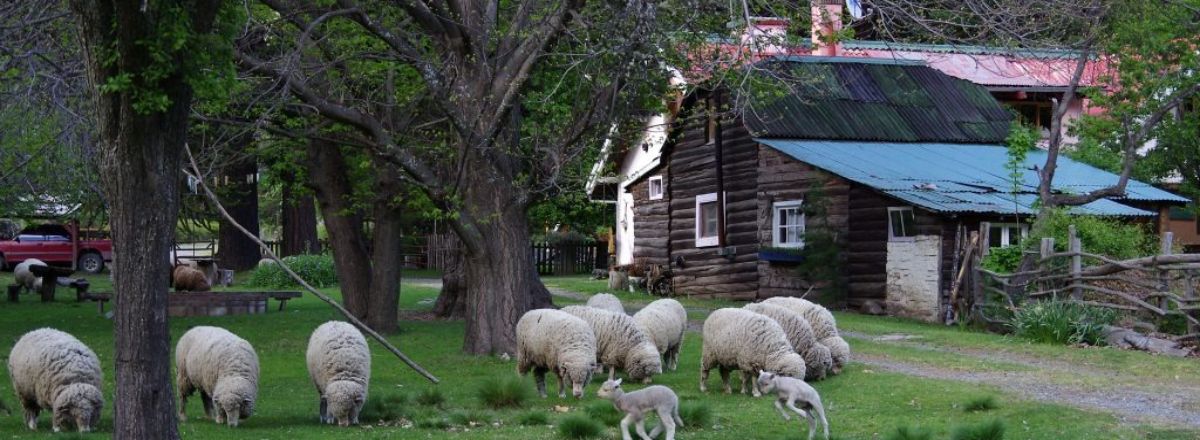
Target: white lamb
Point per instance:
(816, 355)
(606, 301)
(25, 278)
(637, 404)
(738, 339)
(664, 321)
(223, 367)
(619, 343)
(823, 324)
(791, 390)
(52, 370)
(552, 340)
(339, 364)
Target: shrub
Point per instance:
(385, 407)
(603, 412)
(533, 418)
(1057, 322)
(317, 270)
(431, 397)
(1003, 259)
(992, 430)
(907, 433)
(695, 415)
(982, 403)
(579, 427)
(506, 393)
(1097, 235)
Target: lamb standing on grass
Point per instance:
(52, 370)
(664, 322)
(339, 364)
(816, 355)
(635, 405)
(824, 327)
(223, 367)
(619, 343)
(791, 390)
(554, 340)
(25, 278)
(738, 339)
(606, 301)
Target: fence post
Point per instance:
(1164, 276)
(1076, 266)
(1047, 247)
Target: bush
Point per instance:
(1003, 259)
(431, 397)
(1097, 235)
(579, 427)
(603, 412)
(993, 430)
(506, 393)
(695, 415)
(983, 403)
(907, 433)
(1057, 322)
(533, 418)
(385, 408)
(317, 270)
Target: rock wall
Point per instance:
(912, 278)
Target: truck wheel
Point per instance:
(91, 262)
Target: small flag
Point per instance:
(855, 7)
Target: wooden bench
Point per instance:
(50, 275)
(99, 297)
(282, 296)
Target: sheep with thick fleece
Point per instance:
(606, 301)
(24, 277)
(823, 324)
(189, 279)
(664, 321)
(52, 370)
(223, 367)
(635, 405)
(339, 364)
(738, 339)
(620, 344)
(552, 340)
(817, 359)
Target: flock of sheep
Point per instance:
(52, 370)
(782, 341)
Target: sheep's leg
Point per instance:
(539, 377)
(625, 427)
(820, 410)
(206, 400)
(185, 390)
(641, 429)
(31, 413)
(666, 421)
(704, 380)
(812, 427)
(748, 377)
(725, 379)
(323, 410)
(612, 372)
(779, 406)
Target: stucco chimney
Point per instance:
(766, 35)
(826, 21)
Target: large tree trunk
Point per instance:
(239, 188)
(328, 180)
(299, 218)
(452, 300)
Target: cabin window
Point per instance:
(706, 220)
(656, 188)
(1005, 234)
(901, 224)
(1037, 113)
(788, 224)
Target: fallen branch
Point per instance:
(1129, 339)
(267, 251)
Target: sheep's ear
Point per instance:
(617, 382)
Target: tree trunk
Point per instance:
(386, 255)
(239, 188)
(299, 218)
(452, 300)
(327, 174)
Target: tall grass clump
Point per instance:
(316, 270)
(982, 403)
(695, 415)
(470, 418)
(579, 427)
(533, 418)
(603, 412)
(909, 433)
(385, 407)
(991, 430)
(506, 393)
(1058, 322)
(431, 397)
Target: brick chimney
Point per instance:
(766, 36)
(826, 21)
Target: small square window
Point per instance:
(901, 224)
(788, 221)
(1006, 234)
(656, 188)
(706, 220)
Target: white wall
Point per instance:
(912, 278)
(637, 162)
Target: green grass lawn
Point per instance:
(862, 403)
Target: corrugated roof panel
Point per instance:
(950, 100)
(857, 81)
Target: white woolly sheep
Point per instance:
(636, 404)
(620, 344)
(24, 277)
(223, 367)
(606, 301)
(791, 390)
(664, 322)
(552, 340)
(816, 355)
(52, 370)
(339, 364)
(738, 339)
(823, 324)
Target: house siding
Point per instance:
(651, 222)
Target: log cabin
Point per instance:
(903, 160)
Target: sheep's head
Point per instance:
(789, 364)
(344, 399)
(839, 350)
(579, 373)
(235, 396)
(766, 381)
(78, 404)
(611, 389)
(825, 360)
(642, 362)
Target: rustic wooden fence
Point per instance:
(1156, 286)
(441, 250)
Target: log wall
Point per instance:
(650, 221)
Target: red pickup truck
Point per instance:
(55, 244)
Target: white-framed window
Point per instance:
(901, 223)
(706, 220)
(655, 187)
(787, 224)
(1006, 234)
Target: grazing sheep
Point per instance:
(791, 390)
(52, 370)
(619, 343)
(738, 339)
(635, 405)
(664, 322)
(816, 355)
(606, 301)
(823, 324)
(190, 279)
(339, 363)
(223, 367)
(24, 277)
(558, 341)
